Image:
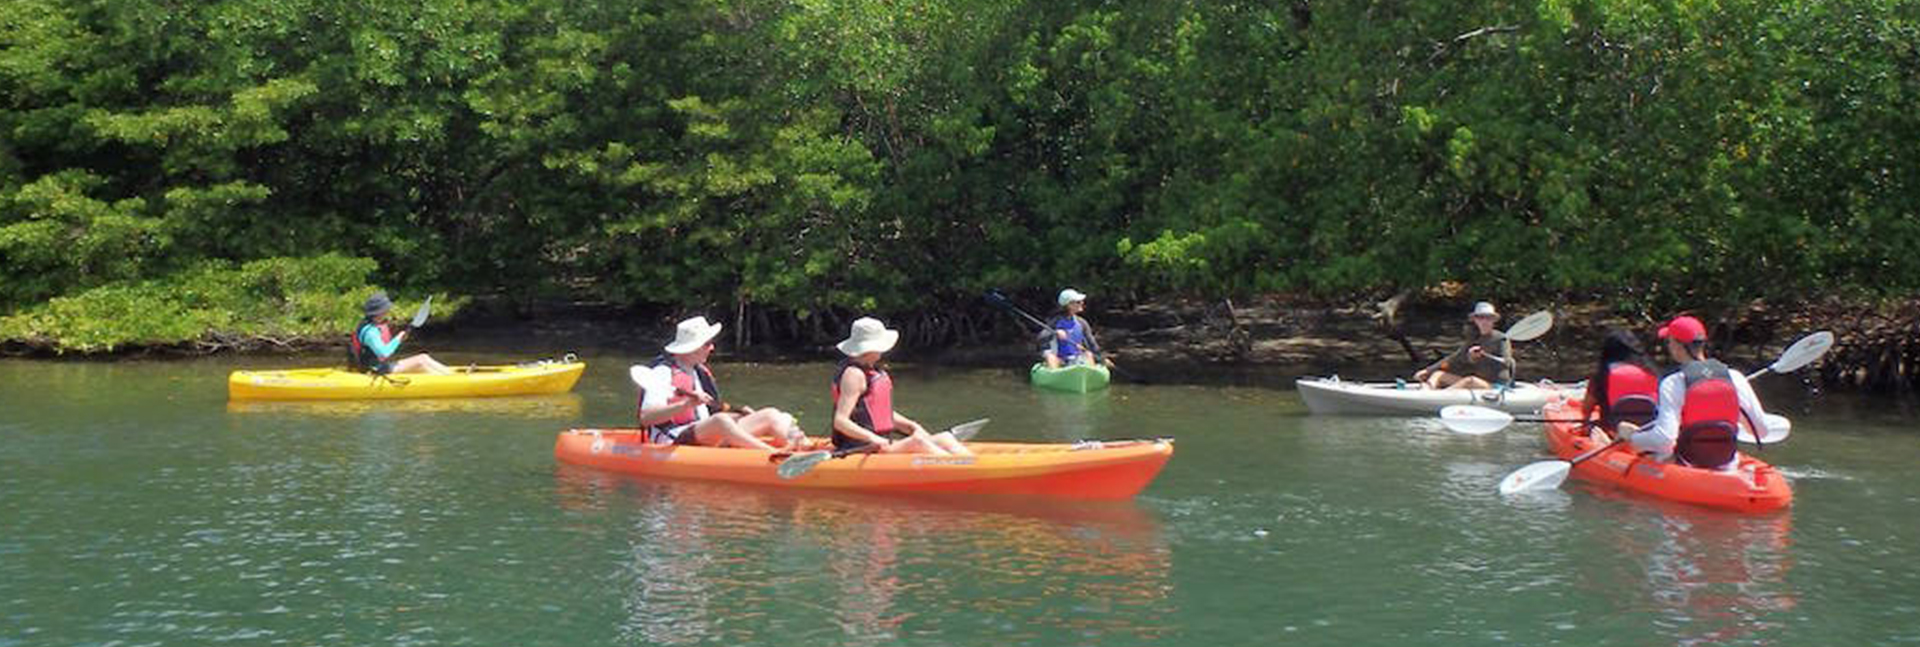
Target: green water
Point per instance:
(138, 508)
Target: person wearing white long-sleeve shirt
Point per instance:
(1722, 398)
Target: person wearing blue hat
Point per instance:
(376, 339)
(1069, 337)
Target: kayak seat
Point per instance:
(1637, 409)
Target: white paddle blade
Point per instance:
(420, 316)
(966, 432)
(1544, 475)
(1474, 420)
(1532, 327)
(1803, 352)
(1778, 428)
(801, 463)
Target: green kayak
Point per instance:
(1078, 378)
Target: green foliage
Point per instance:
(281, 298)
(895, 156)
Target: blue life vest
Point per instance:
(1069, 349)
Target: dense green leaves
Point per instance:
(805, 155)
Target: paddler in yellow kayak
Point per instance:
(680, 401)
(375, 340)
(1482, 364)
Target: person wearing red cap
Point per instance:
(1701, 405)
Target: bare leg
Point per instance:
(1471, 382)
(773, 426)
(953, 445)
(918, 443)
(1053, 361)
(1440, 379)
(721, 431)
(421, 363)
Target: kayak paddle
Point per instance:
(1546, 475)
(966, 431)
(1801, 353)
(1531, 327)
(1476, 420)
(800, 464)
(420, 316)
(1001, 301)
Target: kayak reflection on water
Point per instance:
(1711, 577)
(845, 568)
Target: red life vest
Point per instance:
(1633, 395)
(1710, 416)
(363, 357)
(874, 409)
(683, 380)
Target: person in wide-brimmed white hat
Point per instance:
(1069, 337)
(1483, 363)
(863, 413)
(680, 401)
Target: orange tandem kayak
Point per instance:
(1101, 470)
(1754, 487)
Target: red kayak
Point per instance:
(1754, 487)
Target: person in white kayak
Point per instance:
(1069, 337)
(1483, 363)
(1701, 405)
(680, 401)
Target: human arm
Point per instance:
(853, 384)
(1749, 404)
(1052, 331)
(382, 348)
(1665, 430)
(659, 400)
(906, 424)
(1502, 352)
(1093, 341)
(1445, 363)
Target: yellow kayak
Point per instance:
(546, 376)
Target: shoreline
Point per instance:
(1268, 342)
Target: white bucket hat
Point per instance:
(1071, 295)
(691, 334)
(868, 336)
(1484, 309)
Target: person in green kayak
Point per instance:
(375, 341)
(679, 401)
(863, 413)
(1069, 337)
(1483, 363)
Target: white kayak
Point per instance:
(1330, 395)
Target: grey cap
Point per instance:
(377, 304)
